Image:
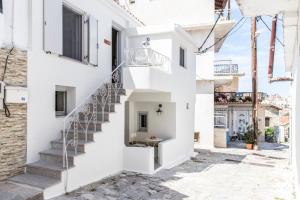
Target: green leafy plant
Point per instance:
(270, 132)
(249, 135)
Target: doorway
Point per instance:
(115, 43)
(116, 51)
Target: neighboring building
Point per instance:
(291, 35)
(233, 109)
(91, 90)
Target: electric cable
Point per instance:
(214, 26)
(260, 18)
(220, 39)
(6, 109)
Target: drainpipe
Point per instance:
(272, 48)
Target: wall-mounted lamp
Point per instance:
(159, 110)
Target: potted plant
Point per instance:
(249, 137)
(269, 134)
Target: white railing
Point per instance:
(229, 69)
(88, 116)
(145, 57)
(220, 120)
(226, 68)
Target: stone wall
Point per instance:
(13, 129)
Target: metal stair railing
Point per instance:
(100, 101)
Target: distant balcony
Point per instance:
(237, 97)
(145, 57)
(226, 68)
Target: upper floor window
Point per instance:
(72, 34)
(267, 121)
(182, 57)
(1, 7)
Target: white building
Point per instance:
(291, 13)
(91, 90)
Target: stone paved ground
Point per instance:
(219, 174)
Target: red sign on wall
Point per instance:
(107, 42)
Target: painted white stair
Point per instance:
(87, 165)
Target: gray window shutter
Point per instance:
(53, 26)
(86, 39)
(93, 41)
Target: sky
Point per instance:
(237, 47)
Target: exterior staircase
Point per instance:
(50, 173)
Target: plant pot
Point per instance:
(249, 146)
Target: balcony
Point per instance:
(223, 98)
(145, 57)
(147, 69)
(226, 68)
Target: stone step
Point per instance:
(49, 169)
(10, 191)
(33, 180)
(90, 125)
(58, 144)
(82, 134)
(112, 98)
(101, 116)
(103, 108)
(56, 156)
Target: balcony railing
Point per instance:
(237, 97)
(143, 57)
(226, 68)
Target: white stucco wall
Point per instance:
(173, 11)
(161, 126)
(45, 71)
(295, 123)
(14, 24)
(179, 82)
(204, 113)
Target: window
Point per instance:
(182, 57)
(61, 103)
(143, 121)
(72, 34)
(1, 7)
(267, 121)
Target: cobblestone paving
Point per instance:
(218, 174)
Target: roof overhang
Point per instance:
(221, 29)
(266, 7)
(289, 10)
(220, 4)
(290, 24)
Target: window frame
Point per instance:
(65, 98)
(267, 119)
(181, 48)
(140, 128)
(84, 37)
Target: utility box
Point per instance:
(16, 94)
(2, 86)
